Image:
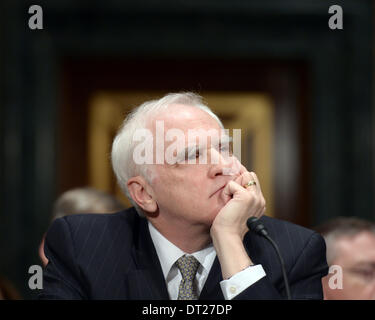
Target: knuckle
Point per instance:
(259, 203)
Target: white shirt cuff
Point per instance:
(241, 281)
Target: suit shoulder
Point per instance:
(84, 219)
(93, 223)
(295, 240)
(94, 233)
(279, 228)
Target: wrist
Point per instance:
(231, 253)
(224, 233)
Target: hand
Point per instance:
(229, 227)
(244, 203)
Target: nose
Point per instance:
(222, 164)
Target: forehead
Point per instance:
(358, 248)
(185, 117)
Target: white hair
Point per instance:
(124, 144)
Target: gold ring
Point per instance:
(250, 183)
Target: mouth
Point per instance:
(218, 190)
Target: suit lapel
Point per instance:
(147, 280)
(212, 289)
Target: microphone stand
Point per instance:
(255, 226)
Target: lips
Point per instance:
(218, 190)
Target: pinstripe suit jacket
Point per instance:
(112, 256)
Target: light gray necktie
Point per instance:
(188, 266)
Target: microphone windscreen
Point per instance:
(252, 223)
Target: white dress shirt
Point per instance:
(168, 254)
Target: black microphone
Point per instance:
(257, 227)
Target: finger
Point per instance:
(250, 184)
(232, 188)
(260, 211)
(242, 168)
(244, 176)
(243, 179)
(237, 168)
(257, 184)
(234, 169)
(263, 202)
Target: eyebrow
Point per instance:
(189, 150)
(364, 263)
(185, 153)
(225, 139)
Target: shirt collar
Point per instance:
(168, 253)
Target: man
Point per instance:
(186, 237)
(351, 257)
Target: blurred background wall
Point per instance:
(317, 83)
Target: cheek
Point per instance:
(162, 189)
(162, 179)
(354, 286)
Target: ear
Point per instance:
(142, 193)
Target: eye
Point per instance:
(226, 148)
(367, 274)
(194, 155)
(191, 154)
